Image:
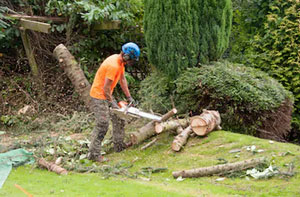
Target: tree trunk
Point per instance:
(207, 171)
(170, 125)
(208, 121)
(181, 139)
(52, 167)
(148, 130)
(74, 72)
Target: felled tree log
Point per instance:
(181, 139)
(170, 125)
(74, 72)
(52, 167)
(206, 122)
(148, 130)
(219, 169)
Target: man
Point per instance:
(110, 72)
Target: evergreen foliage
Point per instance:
(155, 92)
(266, 36)
(212, 21)
(182, 33)
(276, 48)
(169, 35)
(244, 96)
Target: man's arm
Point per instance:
(107, 89)
(124, 86)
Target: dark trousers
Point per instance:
(103, 115)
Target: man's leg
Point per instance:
(101, 112)
(118, 132)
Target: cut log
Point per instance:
(74, 72)
(170, 125)
(208, 121)
(148, 130)
(52, 167)
(181, 139)
(219, 169)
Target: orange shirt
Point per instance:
(111, 68)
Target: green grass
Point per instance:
(42, 183)
(199, 152)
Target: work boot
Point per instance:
(99, 159)
(118, 147)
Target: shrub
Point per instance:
(155, 92)
(248, 100)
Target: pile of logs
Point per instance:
(200, 125)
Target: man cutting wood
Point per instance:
(110, 72)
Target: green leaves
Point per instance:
(91, 11)
(279, 40)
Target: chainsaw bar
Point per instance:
(135, 112)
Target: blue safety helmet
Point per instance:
(132, 50)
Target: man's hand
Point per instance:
(114, 104)
(132, 101)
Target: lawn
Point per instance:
(199, 152)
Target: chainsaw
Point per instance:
(126, 110)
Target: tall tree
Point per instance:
(182, 33)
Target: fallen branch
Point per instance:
(181, 139)
(208, 171)
(148, 130)
(52, 167)
(208, 121)
(149, 144)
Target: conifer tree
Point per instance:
(182, 33)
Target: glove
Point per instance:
(114, 104)
(132, 101)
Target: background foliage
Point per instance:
(89, 46)
(266, 36)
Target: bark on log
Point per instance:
(179, 130)
(148, 130)
(208, 121)
(52, 167)
(219, 169)
(181, 139)
(74, 72)
(170, 125)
